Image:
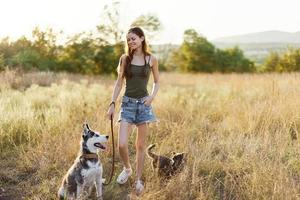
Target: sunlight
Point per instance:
(212, 18)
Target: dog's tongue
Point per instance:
(99, 145)
(102, 147)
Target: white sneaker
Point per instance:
(139, 187)
(124, 175)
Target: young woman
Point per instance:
(135, 67)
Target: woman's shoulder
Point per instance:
(152, 59)
(123, 58)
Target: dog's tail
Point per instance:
(151, 154)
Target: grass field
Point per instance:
(241, 133)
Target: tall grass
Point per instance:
(240, 133)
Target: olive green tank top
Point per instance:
(136, 86)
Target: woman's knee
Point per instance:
(123, 135)
(123, 146)
(140, 146)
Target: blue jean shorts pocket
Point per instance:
(146, 110)
(145, 114)
(127, 111)
(124, 102)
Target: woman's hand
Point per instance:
(148, 100)
(111, 111)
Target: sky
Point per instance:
(211, 18)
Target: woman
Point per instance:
(135, 67)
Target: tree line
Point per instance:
(289, 61)
(98, 52)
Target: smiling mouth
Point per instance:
(100, 146)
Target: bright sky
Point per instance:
(211, 18)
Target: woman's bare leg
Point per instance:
(125, 129)
(140, 148)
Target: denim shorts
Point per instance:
(134, 111)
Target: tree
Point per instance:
(90, 53)
(237, 61)
(195, 53)
(222, 60)
(272, 62)
(77, 55)
(2, 62)
(110, 31)
(149, 23)
(288, 62)
(44, 41)
(6, 50)
(28, 59)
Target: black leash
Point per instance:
(113, 151)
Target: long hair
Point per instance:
(129, 52)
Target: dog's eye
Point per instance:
(92, 133)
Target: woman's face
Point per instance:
(134, 41)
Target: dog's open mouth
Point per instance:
(100, 146)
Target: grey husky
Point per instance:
(87, 168)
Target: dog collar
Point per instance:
(89, 156)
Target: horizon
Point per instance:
(212, 19)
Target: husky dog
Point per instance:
(87, 168)
(165, 166)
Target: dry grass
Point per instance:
(241, 133)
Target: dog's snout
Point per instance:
(107, 137)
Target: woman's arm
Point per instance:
(155, 86)
(117, 87)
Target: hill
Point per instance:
(262, 37)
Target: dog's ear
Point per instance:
(184, 154)
(173, 154)
(177, 155)
(86, 125)
(86, 129)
